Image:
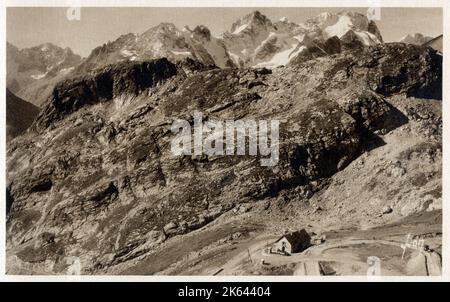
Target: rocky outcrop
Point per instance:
(371, 111)
(106, 84)
(416, 71)
(392, 68)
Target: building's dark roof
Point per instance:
(297, 237)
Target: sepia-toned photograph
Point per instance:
(224, 141)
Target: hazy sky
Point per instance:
(32, 26)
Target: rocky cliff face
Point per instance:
(96, 177)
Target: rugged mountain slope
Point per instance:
(19, 115)
(37, 66)
(97, 179)
(401, 177)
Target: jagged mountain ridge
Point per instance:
(161, 41)
(262, 43)
(253, 41)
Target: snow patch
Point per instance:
(324, 16)
(67, 70)
(38, 76)
(181, 53)
(280, 58)
(296, 52)
(234, 57)
(239, 29)
(271, 34)
(345, 24)
(340, 28)
(367, 38)
(127, 53)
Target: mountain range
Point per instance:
(252, 41)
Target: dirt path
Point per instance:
(308, 262)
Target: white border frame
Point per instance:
(444, 4)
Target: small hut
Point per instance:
(293, 242)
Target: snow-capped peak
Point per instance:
(340, 24)
(340, 28)
(252, 21)
(253, 40)
(164, 28)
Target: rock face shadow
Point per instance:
(391, 119)
(394, 118)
